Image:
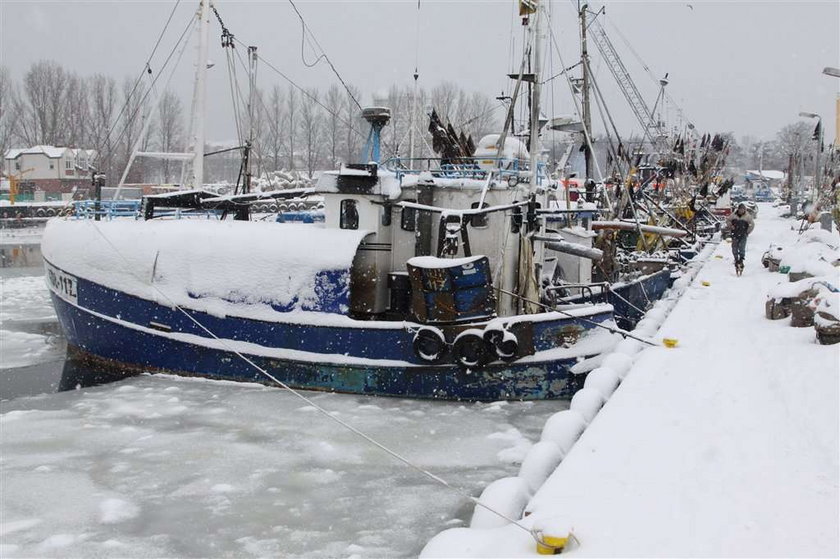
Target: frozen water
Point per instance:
(167, 466)
(28, 328)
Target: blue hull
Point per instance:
(137, 351)
(632, 299)
(112, 328)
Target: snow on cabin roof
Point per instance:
(209, 265)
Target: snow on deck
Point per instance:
(210, 265)
(724, 446)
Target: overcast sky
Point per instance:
(743, 66)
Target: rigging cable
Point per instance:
(137, 110)
(315, 100)
(140, 105)
(692, 130)
(304, 31)
(586, 133)
(146, 70)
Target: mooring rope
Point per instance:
(619, 331)
(323, 411)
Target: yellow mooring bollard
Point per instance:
(553, 535)
(552, 545)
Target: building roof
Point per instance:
(772, 175)
(50, 151)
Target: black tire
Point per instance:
(429, 345)
(471, 350)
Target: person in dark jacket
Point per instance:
(740, 224)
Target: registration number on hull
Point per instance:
(62, 284)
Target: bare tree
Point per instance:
(260, 129)
(170, 130)
(42, 105)
(77, 113)
(353, 118)
(292, 118)
(398, 101)
(102, 91)
(310, 128)
(333, 102)
(276, 115)
(8, 116)
(480, 117)
(134, 113)
(444, 99)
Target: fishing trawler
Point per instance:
(435, 282)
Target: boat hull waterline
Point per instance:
(143, 336)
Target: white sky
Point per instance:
(744, 66)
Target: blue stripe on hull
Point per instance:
(392, 343)
(140, 350)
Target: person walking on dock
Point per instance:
(740, 224)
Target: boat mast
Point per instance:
(534, 139)
(252, 86)
(199, 99)
(587, 115)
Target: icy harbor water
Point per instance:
(165, 466)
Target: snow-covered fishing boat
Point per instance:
(434, 284)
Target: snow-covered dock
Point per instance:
(726, 445)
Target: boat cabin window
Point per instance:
(478, 221)
(349, 214)
(408, 219)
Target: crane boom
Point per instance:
(650, 127)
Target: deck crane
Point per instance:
(653, 130)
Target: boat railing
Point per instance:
(572, 293)
(106, 209)
(512, 171)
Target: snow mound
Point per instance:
(618, 362)
(114, 511)
(541, 461)
(507, 496)
(826, 304)
(810, 254)
(587, 402)
(604, 380)
(564, 428)
(785, 290)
